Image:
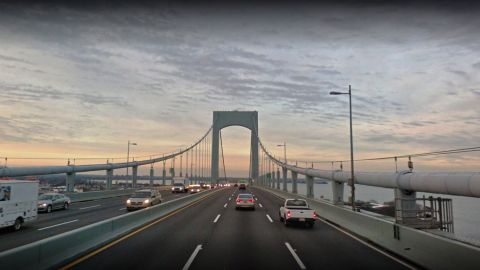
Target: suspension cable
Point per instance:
(223, 157)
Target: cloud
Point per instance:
(27, 92)
(156, 73)
(14, 59)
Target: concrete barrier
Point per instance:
(96, 195)
(423, 248)
(57, 250)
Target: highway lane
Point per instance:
(323, 246)
(213, 235)
(244, 239)
(78, 215)
(166, 245)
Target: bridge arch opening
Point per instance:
(224, 119)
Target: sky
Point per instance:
(80, 81)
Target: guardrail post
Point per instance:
(405, 206)
(70, 182)
(151, 176)
(309, 186)
(272, 180)
(134, 176)
(294, 182)
(109, 179)
(164, 176)
(271, 184)
(278, 178)
(285, 172)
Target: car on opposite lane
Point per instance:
(195, 188)
(179, 188)
(143, 199)
(48, 202)
(245, 200)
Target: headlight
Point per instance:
(128, 201)
(173, 188)
(43, 204)
(146, 201)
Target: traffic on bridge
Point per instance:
(294, 135)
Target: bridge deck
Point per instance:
(80, 214)
(237, 240)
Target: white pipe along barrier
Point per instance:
(451, 183)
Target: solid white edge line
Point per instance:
(56, 225)
(295, 256)
(89, 207)
(216, 219)
(225, 205)
(369, 245)
(192, 257)
(269, 218)
(260, 205)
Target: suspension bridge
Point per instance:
(203, 230)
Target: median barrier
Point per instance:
(96, 195)
(423, 248)
(104, 194)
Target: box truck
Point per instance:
(18, 203)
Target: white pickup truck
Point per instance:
(297, 210)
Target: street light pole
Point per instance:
(351, 150)
(352, 170)
(284, 151)
(128, 154)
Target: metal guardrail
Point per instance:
(54, 251)
(426, 249)
(431, 213)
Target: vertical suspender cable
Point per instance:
(250, 166)
(223, 157)
(191, 164)
(196, 163)
(208, 159)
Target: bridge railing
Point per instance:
(451, 183)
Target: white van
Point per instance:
(18, 202)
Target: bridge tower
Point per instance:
(246, 119)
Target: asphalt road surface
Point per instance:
(78, 215)
(211, 234)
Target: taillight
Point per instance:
(250, 200)
(315, 215)
(289, 214)
(238, 200)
